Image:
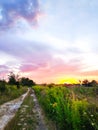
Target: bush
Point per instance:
(2, 86)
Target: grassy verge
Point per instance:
(62, 106)
(24, 118)
(11, 93)
(89, 93)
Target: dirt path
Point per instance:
(38, 114)
(8, 110)
(28, 117)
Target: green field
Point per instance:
(11, 92)
(69, 108)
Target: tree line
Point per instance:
(88, 83)
(14, 79)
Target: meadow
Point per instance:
(10, 92)
(14, 88)
(69, 108)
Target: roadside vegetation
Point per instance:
(11, 93)
(14, 88)
(69, 107)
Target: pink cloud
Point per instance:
(90, 73)
(52, 69)
(28, 68)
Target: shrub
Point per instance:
(2, 86)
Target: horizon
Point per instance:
(49, 41)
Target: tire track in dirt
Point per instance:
(38, 113)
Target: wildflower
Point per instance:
(84, 113)
(92, 115)
(54, 104)
(92, 124)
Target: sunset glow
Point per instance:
(69, 81)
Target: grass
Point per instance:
(86, 91)
(11, 93)
(89, 93)
(24, 118)
(66, 110)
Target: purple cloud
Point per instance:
(11, 11)
(3, 68)
(28, 67)
(3, 71)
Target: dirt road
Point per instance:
(8, 110)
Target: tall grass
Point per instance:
(11, 93)
(67, 111)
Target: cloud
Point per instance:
(3, 71)
(14, 10)
(90, 73)
(20, 47)
(3, 68)
(52, 69)
(28, 67)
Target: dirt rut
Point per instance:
(8, 110)
(38, 113)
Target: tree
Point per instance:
(93, 83)
(31, 83)
(85, 82)
(13, 79)
(27, 82)
(2, 85)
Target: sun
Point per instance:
(69, 81)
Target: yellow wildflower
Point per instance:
(54, 104)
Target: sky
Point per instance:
(49, 41)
